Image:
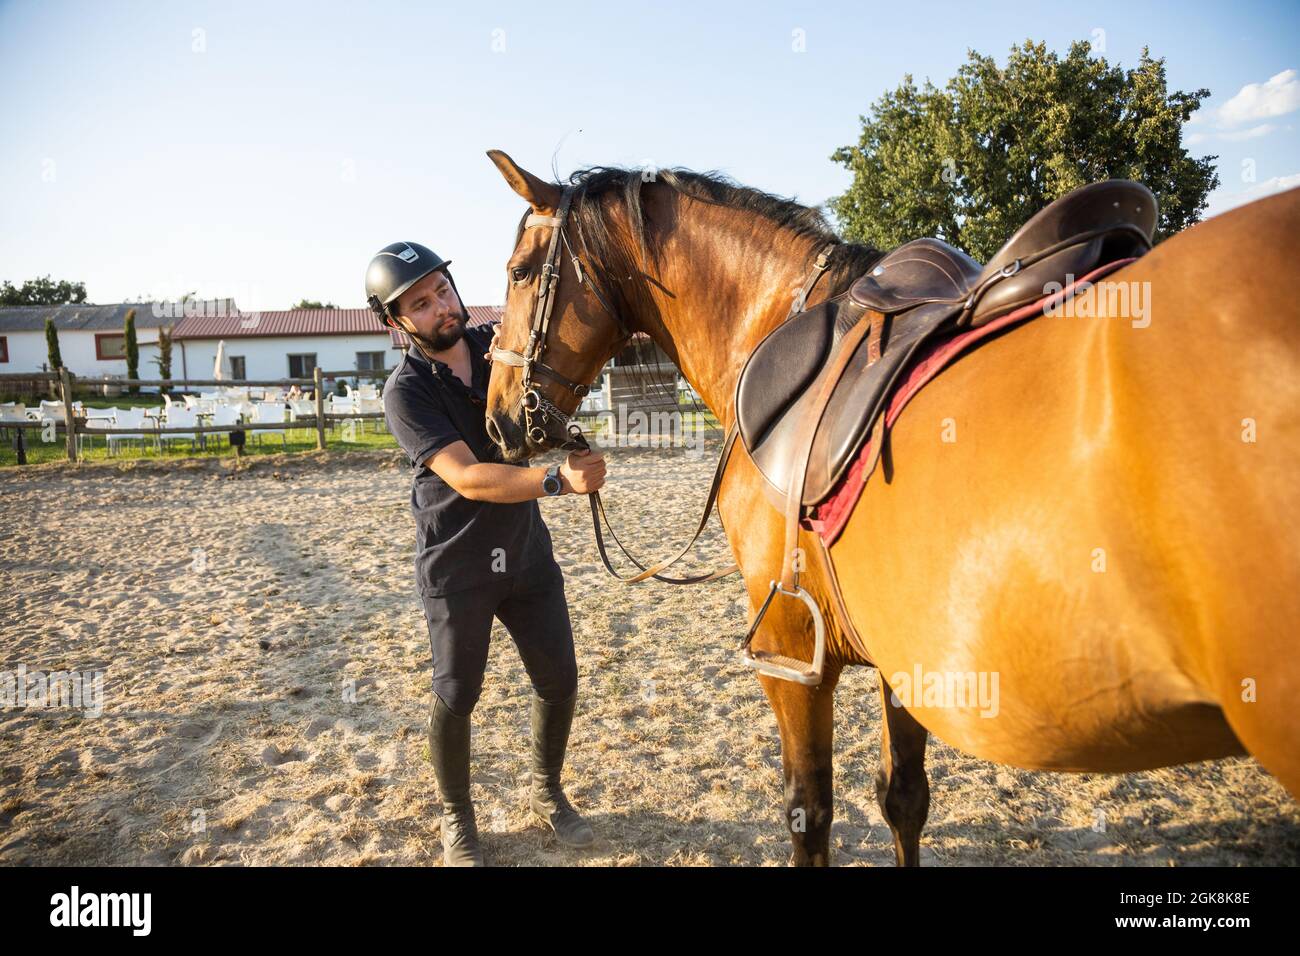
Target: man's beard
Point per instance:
(444, 339)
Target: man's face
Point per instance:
(431, 309)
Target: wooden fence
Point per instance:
(72, 426)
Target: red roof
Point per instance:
(305, 322)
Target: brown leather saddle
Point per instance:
(817, 385)
(792, 419)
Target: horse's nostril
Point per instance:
(492, 431)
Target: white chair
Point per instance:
(12, 412)
(178, 417)
(270, 412)
(130, 418)
(227, 418)
(368, 391)
(370, 406)
(51, 411)
(339, 405)
(97, 418)
(92, 425)
(301, 408)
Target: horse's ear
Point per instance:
(542, 196)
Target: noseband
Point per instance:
(542, 416)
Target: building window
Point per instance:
(4, 349)
(110, 346)
(370, 361)
(301, 366)
(237, 367)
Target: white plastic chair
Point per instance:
(130, 418)
(12, 412)
(270, 412)
(178, 417)
(369, 406)
(51, 411)
(223, 416)
(97, 418)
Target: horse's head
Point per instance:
(558, 329)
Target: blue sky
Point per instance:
(266, 150)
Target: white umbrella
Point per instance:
(221, 355)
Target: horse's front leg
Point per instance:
(805, 716)
(902, 789)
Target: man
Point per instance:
(482, 548)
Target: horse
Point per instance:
(1089, 510)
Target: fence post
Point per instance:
(69, 420)
(320, 409)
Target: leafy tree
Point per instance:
(132, 351)
(43, 291)
(312, 304)
(971, 162)
(52, 344)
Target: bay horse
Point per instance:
(1095, 512)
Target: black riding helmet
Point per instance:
(396, 268)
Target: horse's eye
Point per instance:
(519, 274)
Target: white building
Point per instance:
(92, 338)
(290, 344)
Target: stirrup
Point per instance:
(778, 665)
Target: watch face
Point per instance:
(551, 484)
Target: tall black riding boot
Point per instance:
(551, 724)
(449, 754)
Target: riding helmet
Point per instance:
(393, 270)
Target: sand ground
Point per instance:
(266, 682)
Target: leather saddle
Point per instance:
(803, 410)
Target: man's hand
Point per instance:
(583, 472)
(496, 335)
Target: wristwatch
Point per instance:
(552, 484)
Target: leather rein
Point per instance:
(542, 417)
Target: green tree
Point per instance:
(971, 162)
(132, 351)
(312, 304)
(52, 344)
(164, 359)
(43, 291)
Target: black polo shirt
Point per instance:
(460, 543)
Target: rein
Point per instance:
(541, 416)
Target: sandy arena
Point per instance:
(266, 680)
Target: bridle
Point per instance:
(541, 415)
